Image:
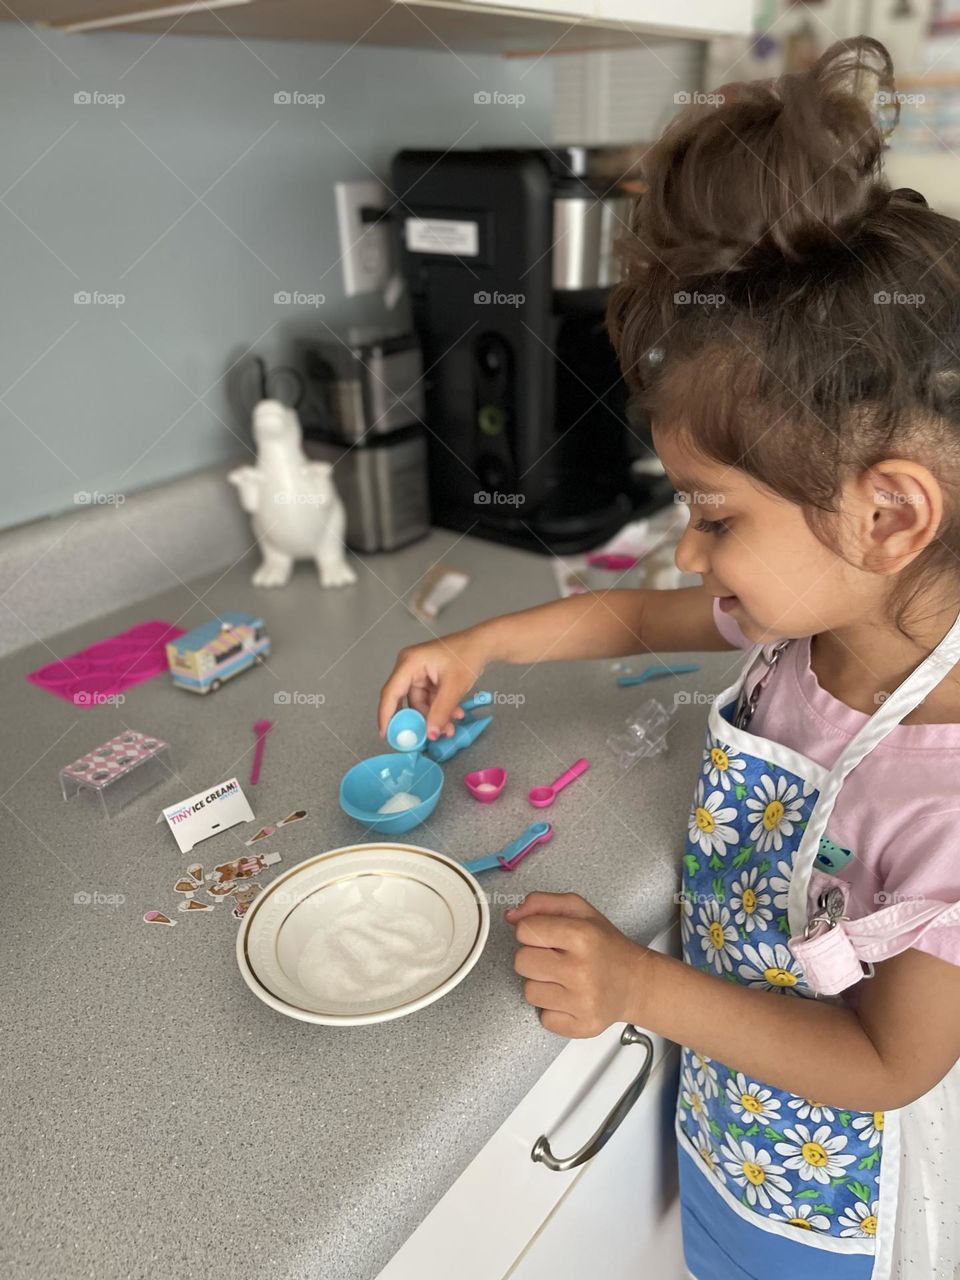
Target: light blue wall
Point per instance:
(103, 198)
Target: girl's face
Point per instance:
(755, 550)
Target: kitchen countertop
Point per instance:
(157, 1118)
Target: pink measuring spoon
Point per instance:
(261, 729)
(543, 797)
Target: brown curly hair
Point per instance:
(787, 311)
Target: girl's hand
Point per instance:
(581, 971)
(434, 677)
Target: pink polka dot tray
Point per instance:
(119, 770)
(101, 766)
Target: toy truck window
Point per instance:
(228, 653)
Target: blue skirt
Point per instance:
(718, 1244)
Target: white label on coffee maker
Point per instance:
(442, 235)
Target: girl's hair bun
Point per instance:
(788, 315)
(778, 171)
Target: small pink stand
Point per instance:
(118, 771)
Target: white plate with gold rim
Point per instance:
(363, 934)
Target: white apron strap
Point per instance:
(900, 703)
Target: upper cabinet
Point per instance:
(509, 27)
(692, 18)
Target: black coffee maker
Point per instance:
(508, 258)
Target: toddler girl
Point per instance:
(790, 325)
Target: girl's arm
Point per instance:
(434, 677)
(607, 624)
(901, 1040)
(903, 1037)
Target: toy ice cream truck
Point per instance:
(203, 658)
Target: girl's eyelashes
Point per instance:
(712, 526)
(701, 525)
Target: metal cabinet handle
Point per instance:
(541, 1152)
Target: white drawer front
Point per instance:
(504, 1188)
(621, 1219)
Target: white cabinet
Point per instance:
(693, 17)
(530, 27)
(621, 1218)
(618, 1209)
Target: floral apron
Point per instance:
(773, 1184)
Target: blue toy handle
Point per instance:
(478, 700)
(536, 833)
(481, 864)
(653, 673)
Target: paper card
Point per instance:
(243, 898)
(207, 814)
(242, 868)
(157, 917)
(297, 816)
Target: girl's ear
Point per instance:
(906, 511)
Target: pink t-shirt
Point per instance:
(898, 810)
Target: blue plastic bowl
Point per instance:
(369, 784)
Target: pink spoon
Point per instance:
(261, 729)
(543, 797)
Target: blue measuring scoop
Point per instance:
(483, 699)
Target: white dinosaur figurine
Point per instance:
(294, 507)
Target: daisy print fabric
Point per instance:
(804, 1166)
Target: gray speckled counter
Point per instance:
(158, 1120)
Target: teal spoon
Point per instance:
(654, 673)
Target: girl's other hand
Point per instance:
(581, 971)
(434, 677)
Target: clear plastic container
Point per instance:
(645, 734)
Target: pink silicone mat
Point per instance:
(109, 666)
